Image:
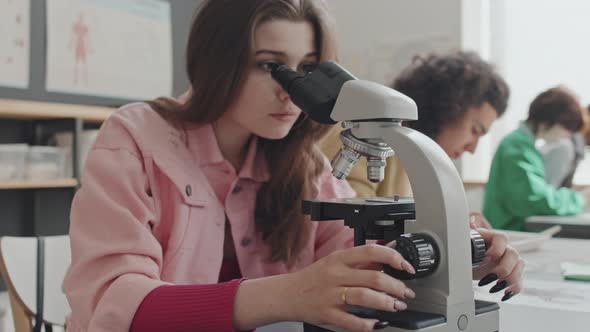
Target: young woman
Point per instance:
(459, 96)
(518, 186)
(188, 217)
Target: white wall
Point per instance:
(379, 37)
(475, 36)
(539, 44)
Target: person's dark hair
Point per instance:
(445, 87)
(557, 105)
(218, 53)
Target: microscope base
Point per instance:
(409, 320)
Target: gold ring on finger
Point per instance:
(343, 296)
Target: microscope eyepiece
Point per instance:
(284, 76)
(315, 92)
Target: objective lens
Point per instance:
(343, 163)
(376, 169)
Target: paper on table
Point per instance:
(578, 219)
(560, 295)
(527, 241)
(575, 271)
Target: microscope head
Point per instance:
(330, 94)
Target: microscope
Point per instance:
(431, 229)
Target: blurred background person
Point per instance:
(517, 186)
(561, 158)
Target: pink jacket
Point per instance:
(151, 211)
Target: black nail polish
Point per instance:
(507, 296)
(488, 279)
(499, 286)
(381, 325)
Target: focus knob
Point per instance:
(478, 248)
(420, 250)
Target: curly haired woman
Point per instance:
(459, 96)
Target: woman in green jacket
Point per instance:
(517, 187)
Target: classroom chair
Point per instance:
(35, 285)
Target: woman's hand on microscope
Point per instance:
(502, 264)
(322, 291)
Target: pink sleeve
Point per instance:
(332, 235)
(116, 260)
(187, 308)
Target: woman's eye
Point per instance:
(267, 66)
(307, 68)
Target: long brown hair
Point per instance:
(218, 51)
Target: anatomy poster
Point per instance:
(110, 48)
(14, 43)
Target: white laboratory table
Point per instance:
(577, 226)
(548, 303)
